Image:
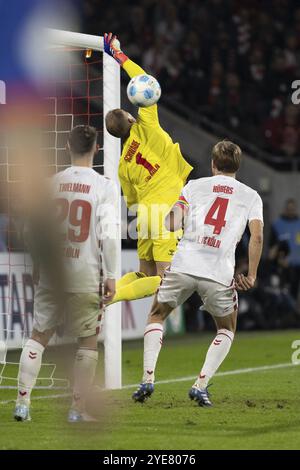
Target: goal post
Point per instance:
(111, 152)
(112, 148)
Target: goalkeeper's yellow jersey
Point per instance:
(151, 164)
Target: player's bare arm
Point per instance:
(109, 289)
(243, 282)
(113, 48)
(175, 219)
(118, 121)
(109, 235)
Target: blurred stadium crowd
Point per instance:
(230, 62)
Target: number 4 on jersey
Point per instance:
(218, 222)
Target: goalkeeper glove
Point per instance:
(112, 48)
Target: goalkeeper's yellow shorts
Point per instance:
(157, 250)
(155, 242)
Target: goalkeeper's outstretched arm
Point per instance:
(113, 48)
(149, 115)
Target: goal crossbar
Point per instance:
(57, 37)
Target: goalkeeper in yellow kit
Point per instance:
(152, 172)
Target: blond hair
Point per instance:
(226, 156)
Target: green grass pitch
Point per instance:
(254, 410)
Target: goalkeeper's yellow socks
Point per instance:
(137, 289)
(128, 278)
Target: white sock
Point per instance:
(29, 368)
(84, 373)
(152, 344)
(216, 354)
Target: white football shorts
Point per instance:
(79, 316)
(218, 300)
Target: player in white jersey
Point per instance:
(214, 213)
(86, 205)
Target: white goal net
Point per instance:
(85, 85)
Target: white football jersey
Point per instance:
(86, 205)
(219, 208)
